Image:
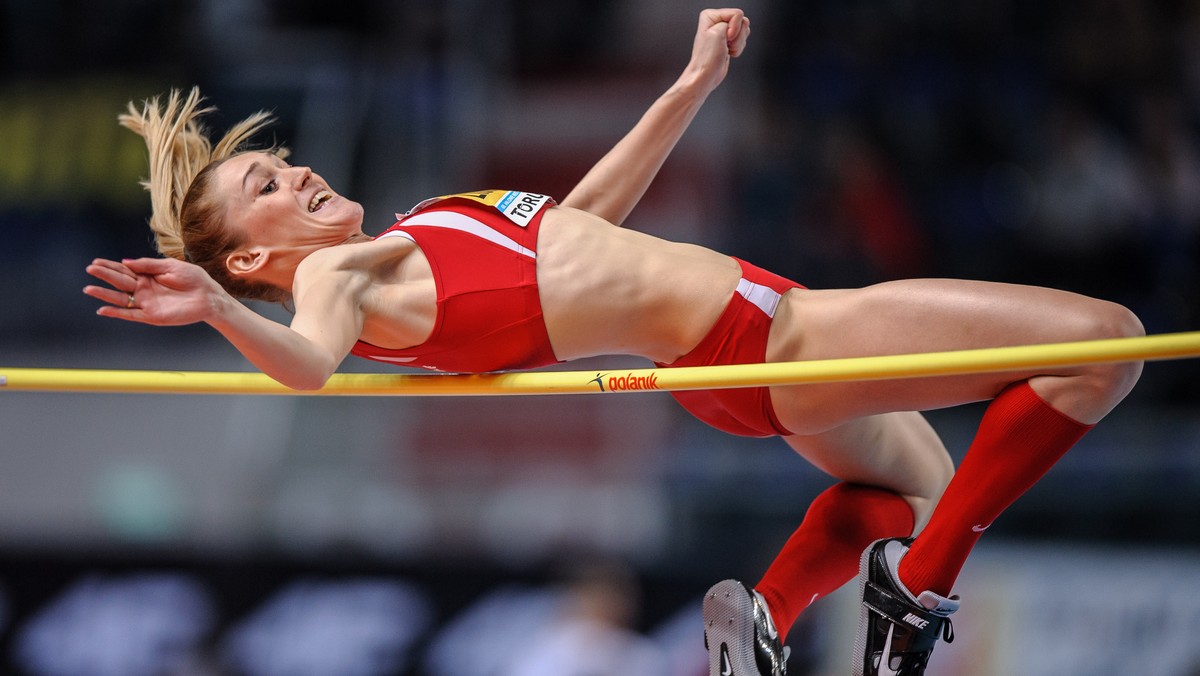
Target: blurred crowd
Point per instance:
(1049, 143)
(856, 141)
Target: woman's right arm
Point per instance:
(169, 292)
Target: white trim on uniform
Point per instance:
(456, 221)
(763, 297)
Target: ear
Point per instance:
(246, 262)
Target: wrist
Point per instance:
(221, 309)
(691, 89)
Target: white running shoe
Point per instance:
(739, 634)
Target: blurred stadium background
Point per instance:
(856, 141)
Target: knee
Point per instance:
(1111, 320)
(1100, 387)
(1116, 380)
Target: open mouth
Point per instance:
(319, 200)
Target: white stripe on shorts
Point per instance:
(763, 297)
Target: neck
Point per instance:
(283, 274)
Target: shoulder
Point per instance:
(359, 256)
(327, 263)
(351, 266)
(337, 265)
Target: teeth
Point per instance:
(317, 199)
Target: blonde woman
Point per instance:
(507, 280)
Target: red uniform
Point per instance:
(482, 248)
(483, 252)
(738, 337)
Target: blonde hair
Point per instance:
(188, 224)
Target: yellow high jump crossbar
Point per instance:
(923, 365)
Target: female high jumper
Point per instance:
(499, 280)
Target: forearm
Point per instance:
(615, 185)
(277, 350)
(617, 182)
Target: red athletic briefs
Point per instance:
(482, 249)
(739, 337)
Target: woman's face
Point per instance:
(278, 205)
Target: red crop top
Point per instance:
(483, 250)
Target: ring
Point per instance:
(129, 303)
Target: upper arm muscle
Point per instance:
(329, 299)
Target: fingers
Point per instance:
(150, 266)
(125, 275)
(736, 25)
(737, 35)
(117, 304)
(115, 274)
(114, 297)
(118, 298)
(128, 314)
(105, 264)
(711, 17)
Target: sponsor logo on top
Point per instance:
(520, 207)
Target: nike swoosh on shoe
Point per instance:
(885, 661)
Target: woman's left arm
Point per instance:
(617, 182)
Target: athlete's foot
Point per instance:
(896, 630)
(739, 634)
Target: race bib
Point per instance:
(518, 207)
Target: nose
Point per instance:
(300, 176)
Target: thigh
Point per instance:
(899, 452)
(914, 316)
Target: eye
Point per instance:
(269, 188)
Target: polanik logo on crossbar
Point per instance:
(624, 383)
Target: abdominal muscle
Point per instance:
(608, 290)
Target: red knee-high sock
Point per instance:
(824, 552)
(1019, 440)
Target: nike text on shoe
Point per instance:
(739, 634)
(896, 631)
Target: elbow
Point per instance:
(306, 380)
(306, 385)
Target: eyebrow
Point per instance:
(253, 166)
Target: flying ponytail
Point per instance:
(187, 224)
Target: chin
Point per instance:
(343, 212)
(353, 209)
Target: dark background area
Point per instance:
(1010, 140)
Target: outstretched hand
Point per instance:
(720, 36)
(158, 291)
